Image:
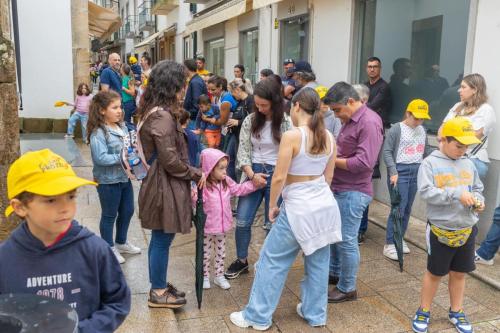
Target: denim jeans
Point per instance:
(247, 209)
(407, 186)
(129, 108)
(363, 226)
(491, 243)
(481, 167)
(344, 261)
(83, 123)
(117, 204)
(276, 256)
(231, 148)
(158, 253)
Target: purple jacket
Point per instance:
(359, 141)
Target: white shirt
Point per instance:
(264, 149)
(483, 118)
(411, 145)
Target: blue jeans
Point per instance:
(344, 261)
(117, 204)
(158, 253)
(129, 108)
(276, 256)
(481, 167)
(231, 148)
(407, 185)
(83, 118)
(491, 243)
(363, 226)
(247, 209)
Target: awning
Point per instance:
(102, 21)
(220, 14)
(142, 46)
(262, 3)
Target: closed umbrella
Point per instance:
(397, 220)
(199, 223)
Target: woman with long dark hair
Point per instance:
(308, 219)
(165, 194)
(260, 137)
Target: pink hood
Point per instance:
(209, 159)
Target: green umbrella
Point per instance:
(199, 223)
(397, 220)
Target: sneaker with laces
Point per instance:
(222, 282)
(236, 268)
(174, 291)
(238, 320)
(406, 249)
(390, 251)
(421, 320)
(479, 260)
(117, 254)
(460, 321)
(127, 248)
(206, 283)
(165, 300)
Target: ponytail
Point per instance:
(309, 101)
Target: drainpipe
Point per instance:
(17, 49)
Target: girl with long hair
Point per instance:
(81, 111)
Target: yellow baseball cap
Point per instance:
(419, 108)
(41, 172)
(132, 60)
(461, 129)
(321, 90)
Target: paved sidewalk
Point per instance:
(387, 298)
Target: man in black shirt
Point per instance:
(380, 95)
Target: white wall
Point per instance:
(231, 50)
(265, 34)
(46, 57)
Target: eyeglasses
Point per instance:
(373, 67)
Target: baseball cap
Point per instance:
(288, 61)
(461, 129)
(301, 66)
(132, 60)
(419, 108)
(321, 90)
(41, 172)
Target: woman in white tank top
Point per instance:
(308, 220)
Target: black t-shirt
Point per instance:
(243, 109)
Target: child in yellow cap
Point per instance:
(405, 147)
(50, 254)
(449, 183)
(332, 123)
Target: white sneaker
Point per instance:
(406, 249)
(206, 283)
(479, 260)
(390, 252)
(238, 320)
(118, 256)
(222, 282)
(69, 136)
(301, 315)
(127, 248)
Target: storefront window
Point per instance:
(295, 38)
(250, 54)
(421, 44)
(214, 51)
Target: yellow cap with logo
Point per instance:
(419, 109)
(461, 129)
(132, 60)
(321, 90)
(41, 172)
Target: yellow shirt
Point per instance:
(202, 72)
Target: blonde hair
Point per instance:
(475, 81)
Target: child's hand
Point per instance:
(467, 199)
(202, 181)
(394, 180)
(480, 208)
(273, 213)
(197, 131)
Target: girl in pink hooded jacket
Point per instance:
(217, 205)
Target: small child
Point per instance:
(192, 138)
(449, 183)
(128, 96)
(332, 123)
(405, 147)
(217, 205)
(50, 254)
(106, 135)
(211, 134)
(81, 108)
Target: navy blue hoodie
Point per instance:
(80, 269)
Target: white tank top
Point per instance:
(304, 164)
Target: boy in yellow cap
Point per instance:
(332, 123)
(405, 147)
(449, 183)
(136, 69)
(50, 254)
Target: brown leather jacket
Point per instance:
(165, 195)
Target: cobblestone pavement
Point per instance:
(387, 298)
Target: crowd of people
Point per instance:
(307, 151)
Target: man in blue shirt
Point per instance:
(110, 77)
(195, 89)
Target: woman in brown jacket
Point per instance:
(165, 195)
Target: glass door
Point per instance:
(215, 56)
(249, 54)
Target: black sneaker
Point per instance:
(361, 238)
(236, 268)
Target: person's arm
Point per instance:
(428, 190)
(288, 91)
(380, 99)
(289, 141)
(238, 190)
(388, 149)
(99, 150)
(164, 131)
(114, 297)
(130, 90)
(330, 167)
(105, 80)
(225, 109)
(244, 155)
